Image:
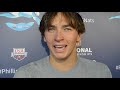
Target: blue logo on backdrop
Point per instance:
(115, 17)
(21, 26)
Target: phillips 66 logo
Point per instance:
(19, 53)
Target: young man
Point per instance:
(62, 32)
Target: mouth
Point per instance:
(60, 48)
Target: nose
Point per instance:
(58, 36)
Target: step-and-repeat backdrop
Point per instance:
(21, 43)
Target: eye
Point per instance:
(51, 29)
(67, 29)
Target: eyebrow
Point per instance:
(62, 26)
(66, 26)
(51, 26)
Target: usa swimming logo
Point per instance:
(21, 26)
(19, 53)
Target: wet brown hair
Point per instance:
(74, 19)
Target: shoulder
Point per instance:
(35, 64)
(96, 67)
(28, 69)
(92, 63)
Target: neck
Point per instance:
(63, 65)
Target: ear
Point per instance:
(44, 39)
(79, 38)
(78, 41)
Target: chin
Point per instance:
(61, 57)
